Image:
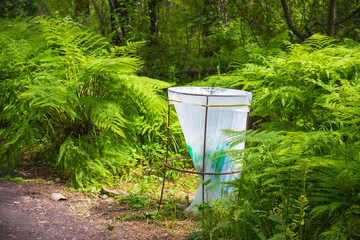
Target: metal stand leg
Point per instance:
(167, 152)
(203, 176)
(162, 189)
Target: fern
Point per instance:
(72, 97)
(105, 115)
(318, 41)
(306, 143)
(241, 58)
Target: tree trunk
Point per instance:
(118, 10)
(153, 21)
(331, 19)
(205, 13)
(290, 23)
(101, 17)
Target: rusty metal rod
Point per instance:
(194, 172)
(167, 151)
(203, 170)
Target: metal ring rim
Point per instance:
(194, 172)
(211, 95)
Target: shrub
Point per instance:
(300, 176)
(71, 99)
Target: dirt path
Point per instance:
(27, 212)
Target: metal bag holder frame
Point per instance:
(166, 165)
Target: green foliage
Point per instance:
(300, 176)
(288, 85)
(72, 97)
(240, 59)
(10, 8)
(319, 41)
(16, 179)
(190, 34)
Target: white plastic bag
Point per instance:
(225, 109)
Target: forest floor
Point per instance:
(28, 212)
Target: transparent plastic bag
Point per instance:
(225, 109)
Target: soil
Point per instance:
(27, 212)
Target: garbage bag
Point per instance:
(213, 109)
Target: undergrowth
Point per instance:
(300, 176)
(72, 100)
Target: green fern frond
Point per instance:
(111, 66)
(333, 233)
(318, 41)
(129, 50)
(43, 97)
(240, 59)
(105, 114)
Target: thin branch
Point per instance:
(354, 13)
(290, 23)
